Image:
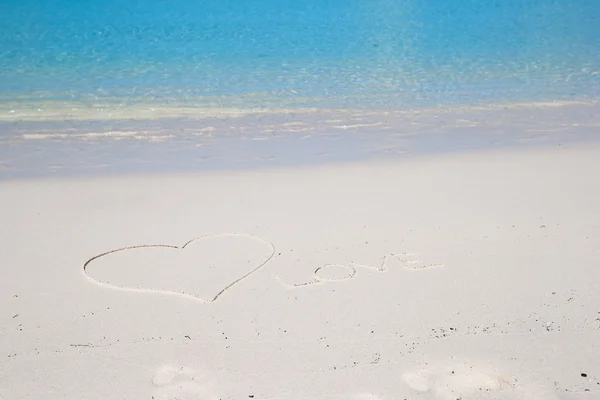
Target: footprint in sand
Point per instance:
(365, 396)
(182, 383)
(202, 269)
(466, 382)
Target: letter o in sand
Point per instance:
(335, 272)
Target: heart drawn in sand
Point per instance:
(202, 269)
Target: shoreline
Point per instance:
(80, 148)
(219, 107)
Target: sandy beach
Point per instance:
(448, 276)
(299, 200)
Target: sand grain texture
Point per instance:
(469, 276)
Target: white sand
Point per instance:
(452, 277)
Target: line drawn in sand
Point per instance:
(138, 268)
(215, 289)
(334, 273)
(412, 262)
(182, 383)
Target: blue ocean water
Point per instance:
(323, 53)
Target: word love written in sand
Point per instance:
(331, 273)
(206, 267)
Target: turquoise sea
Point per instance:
(235, 83)
(324, 53)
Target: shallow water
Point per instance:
(376, 54)
(90, 86)
(98, 147)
